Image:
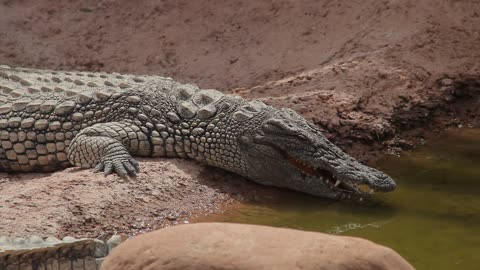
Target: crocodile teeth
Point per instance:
(338, 183)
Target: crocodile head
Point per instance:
(287, 151)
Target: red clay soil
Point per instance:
(376, 76)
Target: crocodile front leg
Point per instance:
(108, 147)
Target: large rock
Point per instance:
(234, 246)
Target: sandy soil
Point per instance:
(81, 203)
(377, 76)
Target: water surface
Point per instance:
(432, 219)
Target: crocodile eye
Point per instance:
(268, 127)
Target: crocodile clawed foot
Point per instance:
(122, 164)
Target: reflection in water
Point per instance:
(432, 219)
(354, 226)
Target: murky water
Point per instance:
(432, 219)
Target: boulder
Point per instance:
(243, 247)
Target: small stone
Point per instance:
(172, 216)
(445, 82)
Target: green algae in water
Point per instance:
(432, 219)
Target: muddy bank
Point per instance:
(376, 76)
(81, 203)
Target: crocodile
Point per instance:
(51, 253)
(54, 119)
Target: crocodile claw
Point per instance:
(122, 164)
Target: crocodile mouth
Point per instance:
(346, 189)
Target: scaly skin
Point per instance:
(53, 119)
(51, 253)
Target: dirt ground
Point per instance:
(377, 76)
